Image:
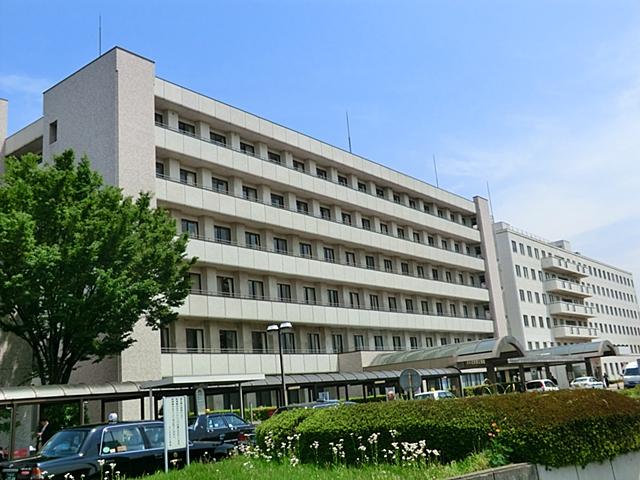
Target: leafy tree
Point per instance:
(80, 263)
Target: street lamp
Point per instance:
(279, 329)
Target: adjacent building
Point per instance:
(358, 257)
(554, 296)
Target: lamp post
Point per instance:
(279, 329)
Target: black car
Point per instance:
(225, 427)
(131, 448)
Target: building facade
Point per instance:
(359, 258)
(554, 296)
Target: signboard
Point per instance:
(410, 380)
(176, 434)
(201, 403)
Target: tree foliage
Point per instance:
(80, 263)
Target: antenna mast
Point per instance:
(435, 169)
(348, 131)
(99, 35)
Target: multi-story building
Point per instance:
(554, 296)
(286, 228)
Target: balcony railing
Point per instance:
(570, 288)
(574, 332)
(560, 265)
(571, 309)
(308, 214)
(272, 351)
(283, 165)
(343, 263)
(333, 305)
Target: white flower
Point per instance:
(294, 461)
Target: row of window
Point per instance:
(260, 342)
(311, 295)
(369, 187)
(584, 268)
(618, 329)
(331, 254)
(325, 213)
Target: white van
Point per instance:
(631, 375)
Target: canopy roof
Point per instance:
(601, 348)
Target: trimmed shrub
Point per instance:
(554, 429)
(280, 426)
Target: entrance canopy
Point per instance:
(457, 355)
(566, 354)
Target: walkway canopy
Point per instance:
(565, 354)
(458, 355)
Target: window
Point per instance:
(186, 128)
(159, 169)
(358, 342)
(537, 297)
(522, 295)
(302, 207)
(388, 265)
(280, 245)
(217, 138)
(424, 305)
(400, 232)
(362, 187)
(416, 237)
(420, 271)
(117, 439)
(518, 271)
(431, 241)
(256, 289)
(284, 292)
(195, 339)
(434, 274)
(384, 228)
(521, 248)
(329, 255)
(259, 342)
(246, 148)
(441, 213)
(277, 200)
(533, 321)
(222, 234)
(412, 203)
(350, 258)
(366, 224)
(408, 303)
(188, 177)
(346, 218)
(313, 341)
(439, 309)
(274, 157)
(354, 299)
(525, 270)
(393, 304)
(336, 343)
(465, 311)
(228, 340)
(373, 301)
(189, 227)
(332, 297)
(325, 213)
(250, 194)
(252, 240)
(378, 341)
(514, 246)
(305, 250)
(380, 192)
(397, 342)
(342, 180)
(529, 296)
(452, 310)
(525, 319)
(428, 341)
(165, 338)
(321, 173)
(370, 262)
(536, 252)
(447, 277)
(413, 342)
(219, 185)
(529, 252)
(298, 166)
(404, 268)
(225, 286)
(396, 198)
(159, 118)
(310, 295)
(444, 244)
(196, 281)
(443, 341)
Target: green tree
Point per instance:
(80, 263)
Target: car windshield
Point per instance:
(631, 371)
(64, 443)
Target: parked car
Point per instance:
(318, 404)
(586, 382)
(543, 385)
(226, 427)
(134, 449)
(631, 375)
(434, 395)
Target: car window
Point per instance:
(155, 435)
(549, 383)
(234, 421)
(215, 421)
(126, 438)
(64, 443)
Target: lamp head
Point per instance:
(273, 328)
(286, 326)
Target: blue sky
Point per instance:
(539, 98)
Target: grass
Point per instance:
(240, 467)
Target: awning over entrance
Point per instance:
(566, 354)
(476, 353)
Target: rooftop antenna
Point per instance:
(348, 131)
(490, 202)
(99, 35)
(435, 169)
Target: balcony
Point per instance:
(565, 287)
(574, 332)
(558, 265)
(575, 310)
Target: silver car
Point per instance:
(586, 382)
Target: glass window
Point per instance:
(305, 250)
(234, 421)
(332, 297)
(219, 185)
(388, 265)
(217, 138)
(228, 340)
(284, 292)
(189, 227)
(298, 166)
(373, 301)
(250, 194)
(222, 234)
(195, 339)
(277, 200)
(195, 279)
(366, 224)
(321, 173)
(159, 169)
(310, 295)
(159, 118)
(362, 187)
(424, 305)
(225, 286)
(342, 180)
(428, 341)
(350, 258)
(252, 240)
(409, 305)
(188, 177)
(155, 435)
(358, 341)
(397, 342)
(354, 299)
(280, 245)
(384, 228)
(274, 157)
(336, 343)
(313, 341)
(370, 262)
(393, 304)
(329, 255)
(187, 128)
(404, 267)
(396, 198)
(346, 218)
(302, 207)
(247, 148)
(67, 443)
(121, 439)
(256, 289)
(413, 341)
(380, 192)
(325, 213)
(400, 232)
(378, 341)
(288, 342)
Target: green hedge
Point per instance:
(562, 428)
